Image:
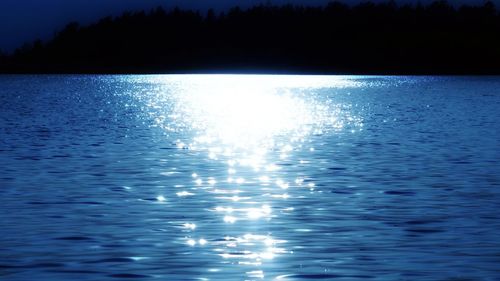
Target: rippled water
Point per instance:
(222, 177)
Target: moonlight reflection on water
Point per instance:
(249, 177)
(252, 124)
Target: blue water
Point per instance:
(228, 177)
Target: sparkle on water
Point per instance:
(250, 123)
(249, 177)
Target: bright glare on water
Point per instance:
(249, 177)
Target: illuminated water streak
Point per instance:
(252, 124)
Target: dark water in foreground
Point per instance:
(249, 178)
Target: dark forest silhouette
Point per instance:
(366, 38)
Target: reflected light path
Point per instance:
(249, 126)
(240, 177)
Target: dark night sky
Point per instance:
(25, 20)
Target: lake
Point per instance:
(249, 177)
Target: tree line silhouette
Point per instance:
(367, 38)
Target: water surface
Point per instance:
(235, 177)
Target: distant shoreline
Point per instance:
(366, 39)
(263, 73)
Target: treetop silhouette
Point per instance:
(367, 38)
